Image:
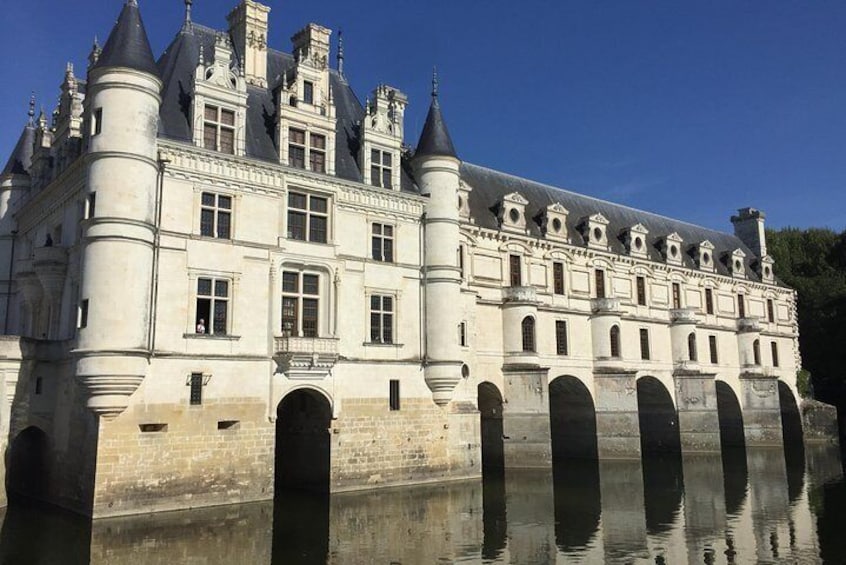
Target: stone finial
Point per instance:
(341, 52)
(435, 83)
(31, 112)
(94, 55)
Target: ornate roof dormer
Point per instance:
(553, 222)
(765, 269)
(704, 256)
(594, 230)
(735, 263)
(219, 111)
(512, 212)
(382, 137)
(671, 249)
(635, 240)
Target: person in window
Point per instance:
(201, 326)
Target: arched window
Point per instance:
(691, 346)
(528, 333)
(756, 351)
(615, 341)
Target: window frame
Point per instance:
(770, 311)
(382, 242)
(692, 348)
(309, 215)
(614, 341)
(599, 283)
(380, 313)
(217, 211)
(195, 391)
(562, 345)
(558, 278)
(462, 334)
(515, 270)
(384, 172)
(300, 296)
(712, 345)
(640, 287)
(213, 299)
(676, 295)
(219, 126)
(774, 353)
(394, 402)
(528, 334)
(645, 351)
(709, 301)
(741, 306)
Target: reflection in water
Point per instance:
(732, 512)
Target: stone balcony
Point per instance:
(748, 325)
(50, 256)
(305, 357)
(683, 316)
(519, 294)
(605, 305)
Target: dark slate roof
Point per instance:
(177, 65)
(21, 157)
(128, 45)
(489, 187)
(435, 139)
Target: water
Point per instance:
(759, 507)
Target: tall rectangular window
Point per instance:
(676, 296)
(558, 278)
(219, 129)
(308, 217)
(644, 344)
(381, 319)
(774, 349)
(91, 208)
(300, 304)
(212, 306)
(317, 153)
(709, 301)
(83, 314)
(296, 148)
(308, 92)
(770, 311)
(216, 215)
(461, 261)
(97, 126)
(514, 268)
(599, 275)
(196, 384)
(462, 334)
(381, 168)
(712, 344)
(741, 306)
(561, 337)
(394, 395)
(641, 290)
(382, 242)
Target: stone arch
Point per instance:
(303, 446)
(730, 417)
(28, 464)
(794, 448)
(658, 420)
(572, 419)
(490, 412)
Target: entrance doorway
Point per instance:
(303, 442)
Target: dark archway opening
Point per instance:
(303, 442)
(659, 423)
(572, 419)
(490, 411)
(27, 465)
(575, 469)
(794, 446)
(301, 501)
(733, 443)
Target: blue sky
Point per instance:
(685, 108)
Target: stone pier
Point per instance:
(525, 417)
(696, 402)
(761, 410)
(617, 422)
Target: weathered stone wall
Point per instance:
(819, 421)
(190, 463)
(525, 418)
(372, 445)
(761, 410)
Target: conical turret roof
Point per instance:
(128, 45)
(21, 157)
(435, 139)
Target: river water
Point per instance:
(755, 507)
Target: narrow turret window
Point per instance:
(558, 278)
(615, 341)
(528, 330)
(219, 129)
(756, 352)
(97, 122)
(691, 347)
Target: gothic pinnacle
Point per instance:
(341, 52)
(434, 82)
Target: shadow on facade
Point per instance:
(730, 417)
(490, 411)
(28, 465)
(572, 420)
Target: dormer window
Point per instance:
(595, 231)
(766, 266)
(308, 92)
(381, 168)
(672, 246)
(735, 263)
(219, 129)
(635, 238)
(705, 256)
(298, 149)
(512, 212)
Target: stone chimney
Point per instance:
(248, 29)
(311, 44)
(749, 228)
